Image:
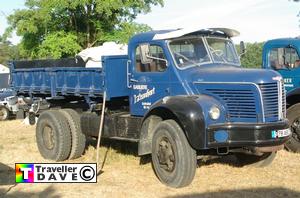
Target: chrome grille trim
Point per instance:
(274, 100)
(280, 112)
(283, 100)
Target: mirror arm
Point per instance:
(156, 58)
(241, 54)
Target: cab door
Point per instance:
(149, 82)
(286, 61)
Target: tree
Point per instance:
(58, 45)
(7, 51)
(253, 55)
(89, 22)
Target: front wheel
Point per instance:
(4, 113)
(255, 161)
(293, 115)
(173, 159)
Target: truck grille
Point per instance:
(273, 100)
(240, 103)
(270, 100)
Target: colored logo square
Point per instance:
(24, 173)
(274, 134)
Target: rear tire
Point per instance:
(78, 139)
(53, 135)
(293, 115)
(173, 159)
(4, 113)
(255, 161)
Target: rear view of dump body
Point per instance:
(71, 79)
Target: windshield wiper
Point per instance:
(186, 58)
(214, 51)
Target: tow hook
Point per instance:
(222, 150)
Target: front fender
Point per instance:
(293, 92)
(191, 113)
(293, 97)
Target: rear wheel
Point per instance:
(78, 139)
(173, 159)
(255, 161)
(53, 135)
(4, 113)
(293, 115)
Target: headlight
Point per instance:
(214, 113)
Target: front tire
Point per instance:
(4, 113)
(293, 115)
(255, 161)
(173, 159)
(53, 135)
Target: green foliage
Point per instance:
(253, 56)
(91, 21)
(58, 45)
(125, 31)
(7, 51)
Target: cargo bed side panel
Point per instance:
(58, 81)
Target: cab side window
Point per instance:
(280, 58)
(157, 64)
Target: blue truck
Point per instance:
(283, 55)
(178, 94)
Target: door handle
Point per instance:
(128, 74)
(133, 80)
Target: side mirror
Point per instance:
(242, 48)
(145, 53)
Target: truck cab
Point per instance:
(283, 56)
(180, 69)
(178, 93)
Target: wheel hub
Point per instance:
(166, 155)
(48, 137)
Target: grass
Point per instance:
(124, 176)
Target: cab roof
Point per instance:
(175, 33)
(284, 41)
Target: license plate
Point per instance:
(281, 133)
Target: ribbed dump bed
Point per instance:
(53, 78)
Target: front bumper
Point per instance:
(247, 134)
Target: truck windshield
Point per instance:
(189, 51)
(194, 51)
(222, 50)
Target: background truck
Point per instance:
(178, 94)
(8, 102)
(283, 55)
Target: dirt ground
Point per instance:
(127, 175)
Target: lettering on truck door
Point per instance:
(150, 81)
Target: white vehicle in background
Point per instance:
(8, 104)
